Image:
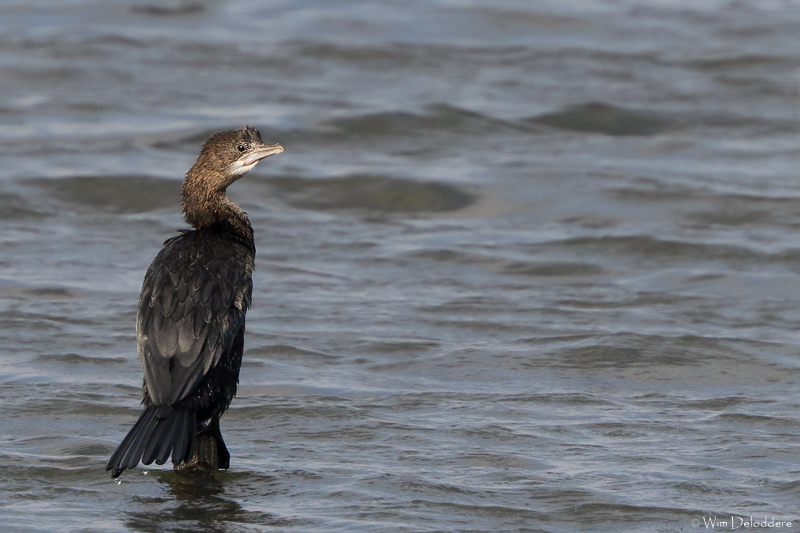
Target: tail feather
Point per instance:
(144, 426)
(124, 453)
(158, 432)
(185, 439)
(158, 440)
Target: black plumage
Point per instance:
(191, 318)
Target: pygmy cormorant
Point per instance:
(190, 324)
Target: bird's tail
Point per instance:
(160, 431)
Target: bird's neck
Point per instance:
(206, 206)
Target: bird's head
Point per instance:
(228, 155)
(225, 157)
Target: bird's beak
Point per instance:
(260, 152)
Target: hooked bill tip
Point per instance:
(260, 152)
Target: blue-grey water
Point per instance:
(524, 266)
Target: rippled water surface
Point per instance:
(524, 266)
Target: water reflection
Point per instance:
(197, 501)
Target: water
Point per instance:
(524, 266)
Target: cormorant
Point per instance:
(190, 323)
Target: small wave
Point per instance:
(370, 193)
(14, 207)
(598, 117)
(170, 9)
(115, 194)
(77, 359)
(436, 118)
(287, 351)
(51, 292)
(552, 269)
(515, 268)
(650, 248)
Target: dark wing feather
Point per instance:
(185, 321)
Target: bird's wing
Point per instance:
(193, 303)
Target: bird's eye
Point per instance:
(241, 147)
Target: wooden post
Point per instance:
(204, 455)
